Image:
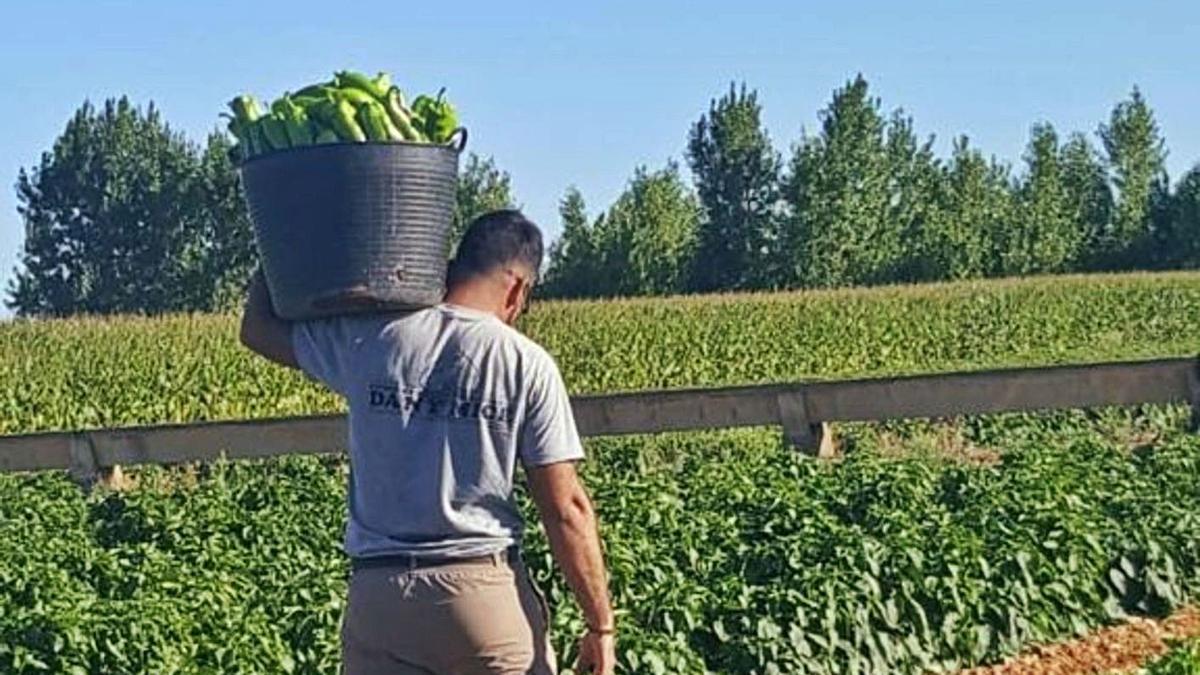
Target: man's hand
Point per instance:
(263, 332)
(597, 654)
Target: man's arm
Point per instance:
(263, 332)
(570, 522)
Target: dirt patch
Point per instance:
(946, 441)
(179, 477)
(1116, 649)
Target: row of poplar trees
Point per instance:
(865, 200)
(125, 214)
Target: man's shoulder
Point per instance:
(370, 320)
(422, 324)
(356, 331)
(530, 351)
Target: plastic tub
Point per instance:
(353, 227)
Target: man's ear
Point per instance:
(512, 295)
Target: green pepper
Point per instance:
(244, 124)
(401, 118)
(245, 108)
(394, 132)
(299, 130)
(382, 82)
(348, 79)
(326, 136)
(356, 96)
(422, 109)
(351, 107)
(437, 115)
(275, 131)
(257, 138)
(307, 102)
(315, 90)
(295, 120)
(239, 152)
(372, 118)
(339, 116)
(236, 127)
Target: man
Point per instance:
(443, 404)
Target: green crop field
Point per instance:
(927, 547)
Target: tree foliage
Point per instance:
(1043, 237)
(1179, 236)
(737, 181)
(976, 205)
(645, 242)
(1137, 158)
(125, 215)
(838, 191)
(481, 187)
(915, 193)
(574, 257)
(1089, 196)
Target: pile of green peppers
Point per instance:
(350, 108)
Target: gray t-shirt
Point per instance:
(443, 402)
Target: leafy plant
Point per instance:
(729, 553)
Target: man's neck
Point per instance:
(471, 299)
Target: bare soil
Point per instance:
(1119, 649)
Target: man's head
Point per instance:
(496, 265)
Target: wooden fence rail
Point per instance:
(802, 409)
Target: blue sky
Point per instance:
(566, 93)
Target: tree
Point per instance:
(916, 189)
(125, 215)
(1179, 237)
(574, 258)
(736, 173)
(646, 239)
(1137, 158)
(1089, 197)
(224, 251)
(976, 204)
(1044, 237)
(481, 188)
(838, 192)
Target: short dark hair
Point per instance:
(494, 240)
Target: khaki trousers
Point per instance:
(472, 618)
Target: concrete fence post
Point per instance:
(813, 438)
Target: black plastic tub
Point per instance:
(354, 227)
